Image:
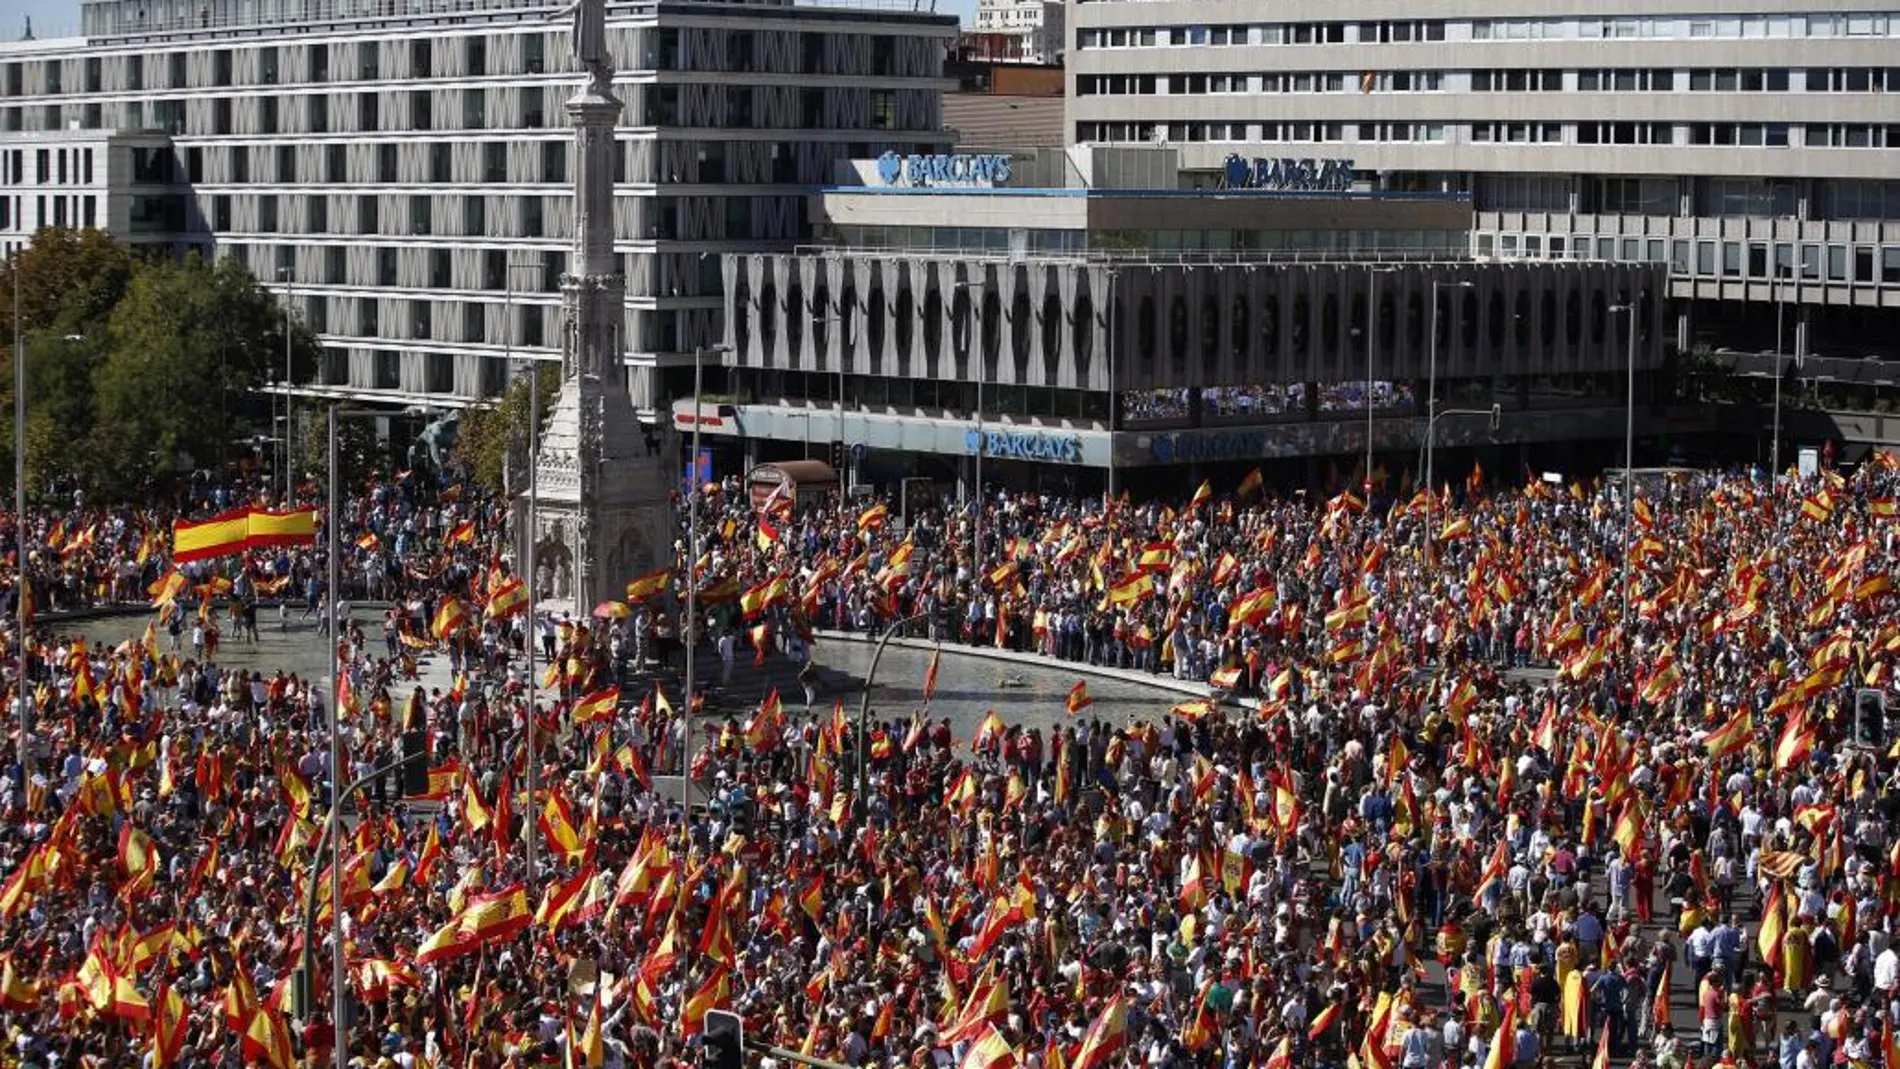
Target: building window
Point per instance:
(369, 61)
(386, 164)
(221, 67)
(366, 215)
(367, 117)
(421, 113)
(474, 56)
(421, 58)
(419, 214)
(319, 63)
(267, 65)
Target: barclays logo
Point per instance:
(943, 170)
(1009, 445)
(1187, 449)
(1304, 175)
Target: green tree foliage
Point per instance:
(140, 368)
(69, 280)
(487, 433)
(358, 451)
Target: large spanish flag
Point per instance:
(227, 532)
(240, 529)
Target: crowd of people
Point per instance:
(1485, 779)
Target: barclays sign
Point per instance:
(943, 171)
(1305, 175)
(1219, 445)
(1025, 445)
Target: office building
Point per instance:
(1038, 308)
(400, 168)
(1754, 151)
(1030, 30)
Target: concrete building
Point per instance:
(123, 182)
(1033, 29)
(1753, 150)
(399, 168)
(1038, 309)
(1001, 103)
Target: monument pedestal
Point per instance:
(603, 486)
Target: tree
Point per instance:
(187, 348)
(487, 434)
(358, 451)
(69, 280)
(136, 365)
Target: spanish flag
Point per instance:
(1250, 485)
(138, 856)
(652, 584)
(449, 618)
(507, 599)
(1105, 1036)
(600, 705)
(1079, 697)
(16, 995)
(1731, 737)
(462, 534)
(238, 530)
(989, 1051)
(712, 993)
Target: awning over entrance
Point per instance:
(796, 480)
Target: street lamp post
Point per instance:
(1629, 455)
(284, 275)
(332, 528)
(326, 840)
(532, 684)
(1372, 350)
(19, 515)
(864, 713)
(1495, 414)
(1431, 381)
(690, 632)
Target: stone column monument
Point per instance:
(604, 486)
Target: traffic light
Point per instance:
(725, 1041)
(415, 763)
(837, 456)
(1870, 718)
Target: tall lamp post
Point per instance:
(332, 827)
(1372, 352)
(526, 559)
(284, 275)
(1628, 309)
(1431, 383)
(864, 713)
(690, 632)
(19, 515)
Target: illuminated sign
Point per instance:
(1030, 445)
(1293, 175)
(943, 171)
